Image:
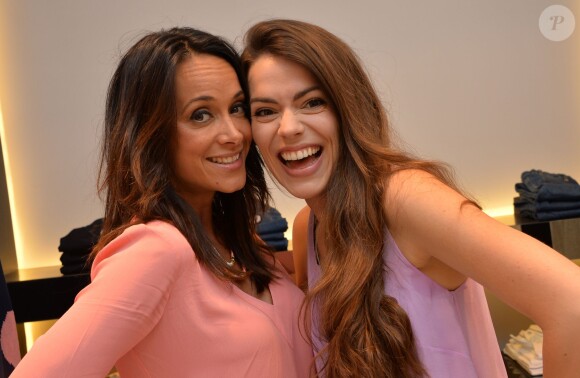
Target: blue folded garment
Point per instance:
(547, 196)
(550, 192)
(272, 221)
(271, 229)
(534, 179)
(278, 245)
(545, 206)
(550, 215)
(273, 236)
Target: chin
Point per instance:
(234, 187)
(303, 193)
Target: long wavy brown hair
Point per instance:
(368, 333)
(136, 161)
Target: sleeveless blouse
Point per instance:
(453, 329)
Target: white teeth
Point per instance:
(225, 160)
(300, 154)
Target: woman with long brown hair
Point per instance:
(396, 257)
(181, 285)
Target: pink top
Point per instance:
(153, 311)
(453, 329)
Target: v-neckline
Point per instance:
(256, 301)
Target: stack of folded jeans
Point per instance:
(271, 229)
(76, 247)
(547, 196)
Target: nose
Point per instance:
(230, 131)
(290, 125)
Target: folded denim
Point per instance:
(273, 236)
(273, 226)
(535, 178)
(271, 221)
(278, 245)
(75, 269)
(82, 239)
(550, 215)
(550, 192)
(68, 259)
(522, 203)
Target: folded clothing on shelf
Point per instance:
(526, 349)
(271, 228)
(76, 247)
(546, 196)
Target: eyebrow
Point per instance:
(298, 95)
(240, 93)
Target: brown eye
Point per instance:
(264, 115)
(200, 116)
(314, 103)
(263, 112)
(238, 109)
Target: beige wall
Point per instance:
(471, 83)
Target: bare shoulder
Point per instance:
(420, 208)
(302, 217)
(409, 182)
(412, 194)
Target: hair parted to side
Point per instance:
(368, 333)
(136, 161)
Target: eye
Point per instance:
(264, 112)
(239, 108)
(200, 116)
(314, 103)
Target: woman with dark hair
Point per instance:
(181, 285)
(395, 256)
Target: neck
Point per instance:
(317, 206)
(202, 205)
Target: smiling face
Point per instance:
(294, 125)
(213, 134)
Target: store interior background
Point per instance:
(474, 84)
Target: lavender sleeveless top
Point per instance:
(453, 329)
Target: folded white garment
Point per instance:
(526, 349)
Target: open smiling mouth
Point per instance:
(301, 158)
(225, 160)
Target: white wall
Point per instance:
(472, 83)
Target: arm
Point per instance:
(435, 226)
(300, 247)
(131, 280)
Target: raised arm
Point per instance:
(440, 232)
(130, 285)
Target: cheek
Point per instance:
(260, 137)
(262, 142)
(268, 158)
(331, 132)
(245, 128)
(271, 162)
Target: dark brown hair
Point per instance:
(368, 333)
(136, 162)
